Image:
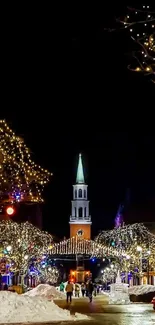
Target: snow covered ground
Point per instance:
(16, 308)
(141, 289)
(45, 290)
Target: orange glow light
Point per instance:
(10, 211)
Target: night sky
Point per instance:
(66, 89)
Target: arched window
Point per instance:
(76, 194)
(85, 194)
(80, 213)
(80, 192)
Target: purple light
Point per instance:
(119, 217)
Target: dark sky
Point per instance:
(66, 90)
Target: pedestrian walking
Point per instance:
(95, 289)
(98, 289)
(83, 289)
(90, 290)
(77, 290)
(69, 291)
(0, 281)
(62, 287)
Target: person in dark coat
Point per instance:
(5, 287)
(90, 290)
(0, 281)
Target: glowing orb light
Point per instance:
(9, 211)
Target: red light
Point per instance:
(10, 211)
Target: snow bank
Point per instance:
(141, 289)
(47, 291)
(16, 308)
(119, 298)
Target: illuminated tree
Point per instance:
(20, 178)
(134, 244)
(48, 273)
(141, 24)
(109, 273)
(20, 244)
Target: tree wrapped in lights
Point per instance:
(48, 274)
(135, 245)
(109, 273)
(22, 243)
(20, 178)
(141, 24)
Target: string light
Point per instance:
(20, 178)
(22, 243)
(141, 25)
(76, 245)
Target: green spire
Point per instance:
(80, 174)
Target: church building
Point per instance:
(80, 220)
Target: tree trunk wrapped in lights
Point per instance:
(21, 243)
(21, 180)
(141, 24)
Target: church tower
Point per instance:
(80, 220)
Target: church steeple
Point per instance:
(80, 220)
(80, 174)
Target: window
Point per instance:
(75, 211)
(80, 213)
(76, 194)
(85, 211)
(85, 194)
(80, 192)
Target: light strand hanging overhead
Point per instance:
(141, 24)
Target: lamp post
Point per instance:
(139, 249)
(148, 266)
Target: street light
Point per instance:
(148, 266)
(10, 211)
(139, 249)
(9, 248)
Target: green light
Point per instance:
(80, 174)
